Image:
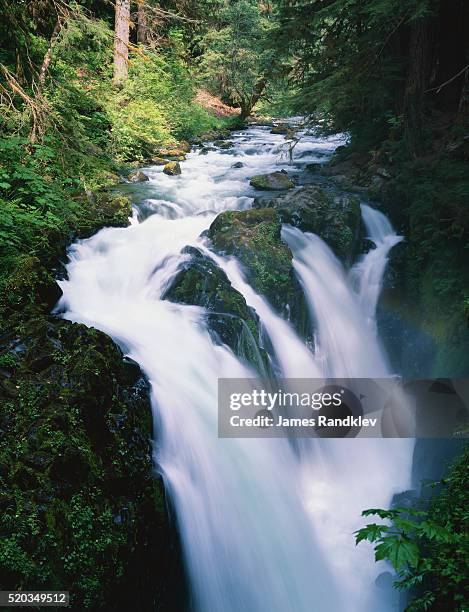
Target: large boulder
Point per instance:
(173, 153)
(223, 144)
(254, 237)
(275, 181)
(201, 282)
(336, 219)
(159, 161)
(138, 177)
(279, 129)
(172, 168)
(80, 503)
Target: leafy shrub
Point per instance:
(429, 548)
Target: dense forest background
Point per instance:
(90, 89)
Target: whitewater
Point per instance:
(264, 525)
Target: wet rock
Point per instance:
(238, 165)
(223, 144)
(201, 282)
(138, 177)
(110, 209)
(173, 154)
(253, 236)
(275, 181)
(335, 219)
(172, 168)
(75, 444)
(260, 121)
(222, 134)
(159, 161)
(205, 150)
(184, 146)
(280, 129)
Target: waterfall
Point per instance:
(368, 273)
(347, 346)
(262, 527)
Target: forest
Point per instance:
(96, 94)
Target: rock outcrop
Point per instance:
(172, 168)
(253, 236)
(76, 466)
(336, 219)
(201, 282)
(275, 181)
(138, 177)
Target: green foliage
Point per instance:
(236, 57)
(254, 237)
(429, 548)
(155, 107)
(86, 127)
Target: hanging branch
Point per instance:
(48, 56)
(453, 78)
(36, 106)
(159, 12)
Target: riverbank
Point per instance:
(81, 503)
(72, 377)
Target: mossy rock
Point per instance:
(172, 168)
(223, 144)
(280, 129)
(81, 508)
(159, 161)
(29, 286)
(138, 177)
(275, 181)
(253, 236)
(184, 146)
(104, 209)
(201, 282)
(336, 219)
(173, 154)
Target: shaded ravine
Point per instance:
(262, 527)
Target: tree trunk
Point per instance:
(142, 23)
(121, 40)
(420, 51)
(48, 56)
(247, 105)
(452, 49)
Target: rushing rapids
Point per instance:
(263, 525)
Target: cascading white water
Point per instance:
(261, 529)
(348, 347)
(368, 273)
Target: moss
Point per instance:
(172, 168)
(254, 237)
(28, 286)
(81, 508)
(275, 181)
(202, 283)
(336, 219)
(102, 209)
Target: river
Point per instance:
(262, 527)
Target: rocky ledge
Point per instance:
(335, 218)
(81, 506)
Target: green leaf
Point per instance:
(400, 551)
(372, 533)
